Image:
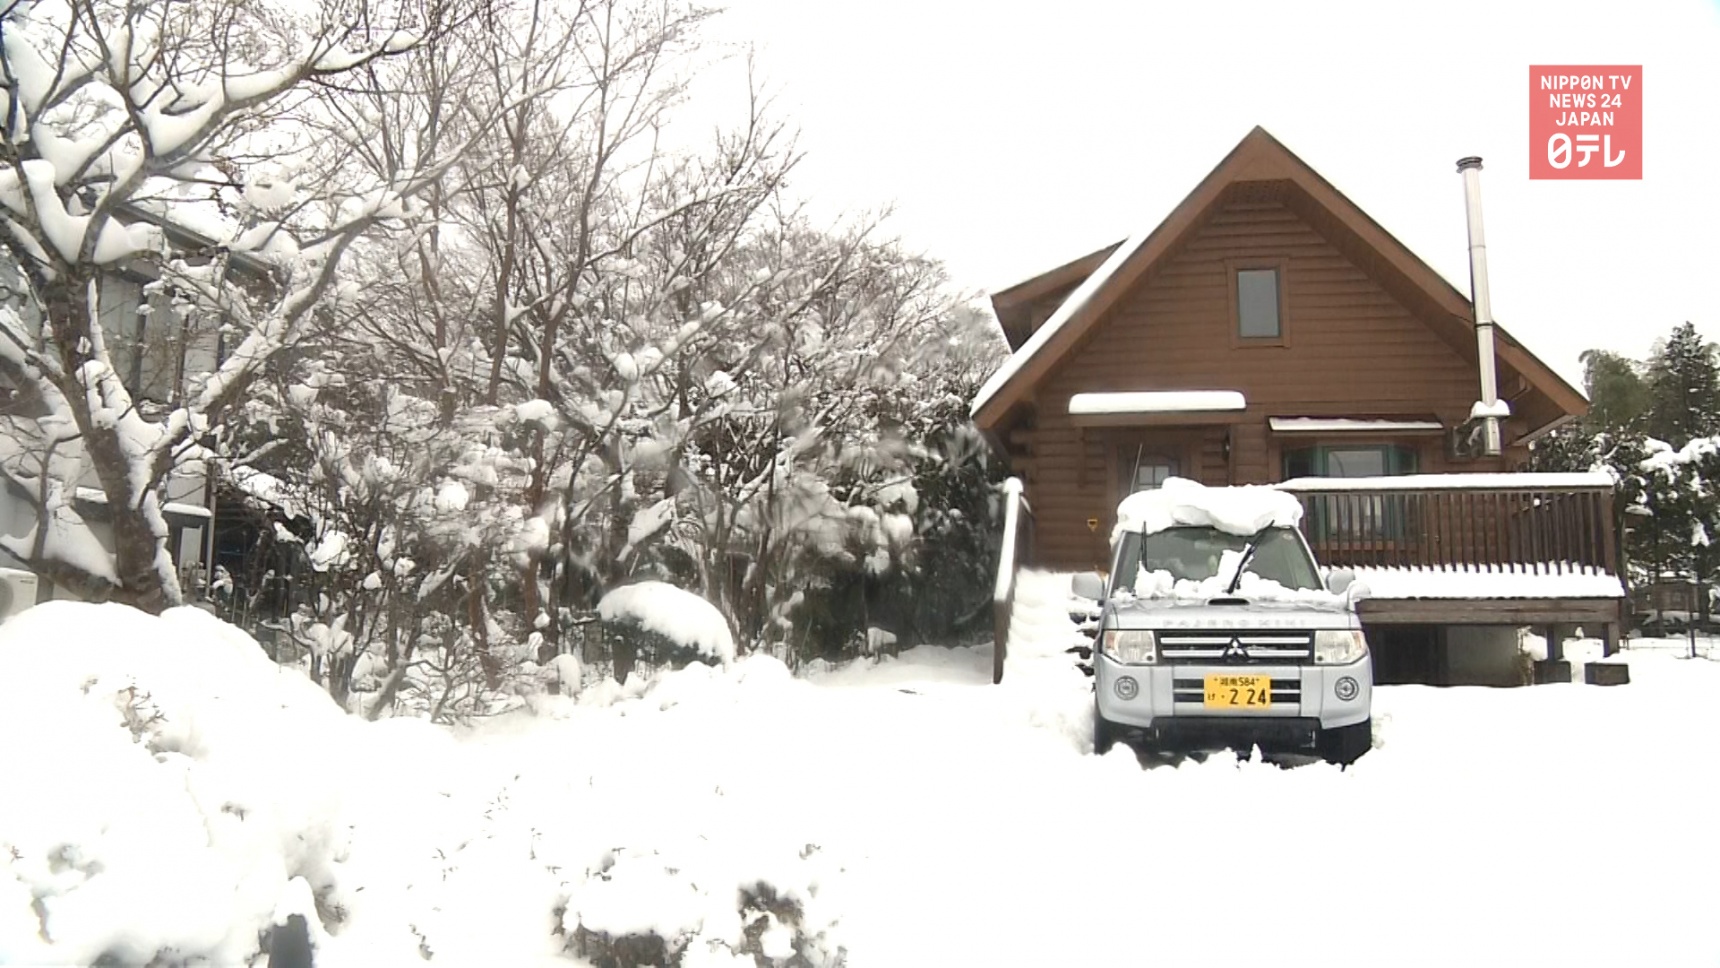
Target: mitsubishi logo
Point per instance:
(1236, 651)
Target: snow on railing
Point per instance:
(1516, 481)
(1015, 513)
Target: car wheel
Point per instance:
(1104, 734)
(1344, 745)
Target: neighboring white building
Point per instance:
(159, 351)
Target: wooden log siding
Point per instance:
(1540, 531)
(1352, 348)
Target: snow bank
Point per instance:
(222, 793)
(170, 793)
(157, 785)
(1237, 510)
(675, 613)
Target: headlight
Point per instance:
(1131, 647)
(1339, 647)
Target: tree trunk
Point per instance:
(141, 560)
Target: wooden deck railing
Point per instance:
(1017, 534)
(1534, 522)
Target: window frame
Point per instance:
(1233, 301)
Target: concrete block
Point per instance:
(1551, 670)
(1606, 674)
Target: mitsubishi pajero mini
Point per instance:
(1216, 629)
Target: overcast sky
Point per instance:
(1010, 138)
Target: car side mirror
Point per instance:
(1339, 580)
(1088, 585)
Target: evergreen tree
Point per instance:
(1618, 395)
(1683, 388)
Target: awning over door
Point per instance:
(1141, 407)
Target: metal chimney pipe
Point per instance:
(1488, 409)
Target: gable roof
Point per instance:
(1258, 158)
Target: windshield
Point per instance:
(1194, 554)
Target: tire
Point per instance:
(1344, 745)
(1104, 734)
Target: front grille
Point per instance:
(1253, 647)
(1284, 691)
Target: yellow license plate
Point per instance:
(1238, 692)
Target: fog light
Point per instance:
(1346, 688)
(1127, 688)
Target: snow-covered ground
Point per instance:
(166, 787)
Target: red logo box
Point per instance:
(1585, 122)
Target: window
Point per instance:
(1198, 553)
(1358, 516)
(1141, 469)
(1350, 460)
(1152, 473)
(1257, 304)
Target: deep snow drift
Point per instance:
(168, 788)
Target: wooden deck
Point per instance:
(1561, 531)
(1538, 521)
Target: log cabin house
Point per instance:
(1269, 332)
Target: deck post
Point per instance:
(1609, 639)
(1555, 644)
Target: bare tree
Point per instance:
(136, 134)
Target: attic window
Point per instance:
(1257, 305)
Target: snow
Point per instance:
(1524, 481)
(1071, 306)
(1162, 584)
(538, 412)
(452, 497)
(95, 495)
(1241, 510)
(180, 791)
(266, 488)
(1324, 425)
(1157, 401)
(675, 613)
(649, 521)
(1550, 580)
(245, 796)
(1006, 566)
(1500, 410)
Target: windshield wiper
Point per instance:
(1247, 553)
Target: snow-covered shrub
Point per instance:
(661, 626)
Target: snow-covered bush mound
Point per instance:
(674, 613)
(156, 785)
(170, 793)
(1243, 509)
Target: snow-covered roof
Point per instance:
(1259, 157)
(1071, 306)
(1182, 502)
(1452, 482)
(1490, 581)
(95, 495)
(1157, 401)
(1345, 425)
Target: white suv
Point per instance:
(1211, 639)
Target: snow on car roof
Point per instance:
(1243, 509)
